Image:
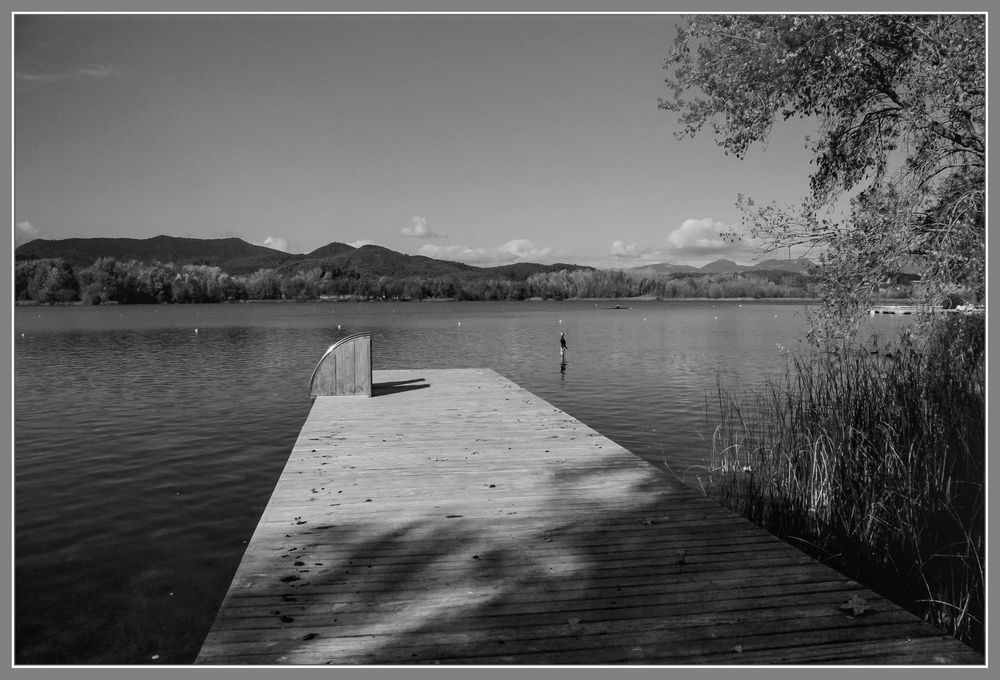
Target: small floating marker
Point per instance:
(716, 318)
(459, 323)
(196, 331)
(338, 326)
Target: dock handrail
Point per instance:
(344, 369)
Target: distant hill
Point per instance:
(233, 255)
(520, 271)
(372, 260)
(800, 265)
(330, 250)
(722, 267)
(665, 268)
(236, 256)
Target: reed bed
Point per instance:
(873, 460)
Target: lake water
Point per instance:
(145, 452)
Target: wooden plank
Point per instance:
(470, 522)
(344, 367)
(363, 366)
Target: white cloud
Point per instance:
(99, 71)
(419, 230)
(634, 251)
(276, 242)
(25, 231)
(515, 250)
(89, 72)
(698, 241)
(523, 249)
(361, 242)
(621, 249)
(460, 253)
(38, 78)
(701, 237)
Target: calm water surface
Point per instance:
(145, 452)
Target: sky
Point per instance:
(481, 139)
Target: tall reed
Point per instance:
(874, 461)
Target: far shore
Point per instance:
(640, 298)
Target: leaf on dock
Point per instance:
(857, 605)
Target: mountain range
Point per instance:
(235, 256)
(799, 265)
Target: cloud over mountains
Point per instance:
(419, 230)
(25, 231)
(515, 250)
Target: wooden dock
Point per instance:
(456, 518)
(914, 309)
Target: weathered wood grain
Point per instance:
(345, 369)
(456, 518)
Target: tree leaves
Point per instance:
(899, 102)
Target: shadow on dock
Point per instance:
(395, 386)
(480, 525)
(675, 580)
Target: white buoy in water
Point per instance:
(196, 331)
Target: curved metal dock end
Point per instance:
(345, 369)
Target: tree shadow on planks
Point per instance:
(395, 386)
(599, 572)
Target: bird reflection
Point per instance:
(562, 370)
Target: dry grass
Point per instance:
(875, 462)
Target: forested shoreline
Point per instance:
(110, 281)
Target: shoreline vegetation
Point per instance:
(871, 459)
(111, 281)
(638, 298)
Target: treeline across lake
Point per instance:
(109, 280)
